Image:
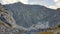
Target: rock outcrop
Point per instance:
(8, 24)
(27, 15)
(6, 17)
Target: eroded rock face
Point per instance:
(7, 23)
(6, 17)
(27, 15)
(10, 31)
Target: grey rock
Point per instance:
(27, 15)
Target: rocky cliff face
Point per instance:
(6, 16)
(7, 22)
(27, 15)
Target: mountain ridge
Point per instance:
(27, 15)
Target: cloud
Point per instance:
(24, 1)
(45, 3)
(8, 1)
(52, 7)
(55, 0)
(57, 5)
(13, 1)
(53, 4)
(48, 3)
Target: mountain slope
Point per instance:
(27, 15)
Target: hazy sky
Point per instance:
(48, 3)
(54, 4)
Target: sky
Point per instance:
(47, 2)
(53, 4)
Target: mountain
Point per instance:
(27, 15)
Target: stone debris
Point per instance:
(9, 31)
